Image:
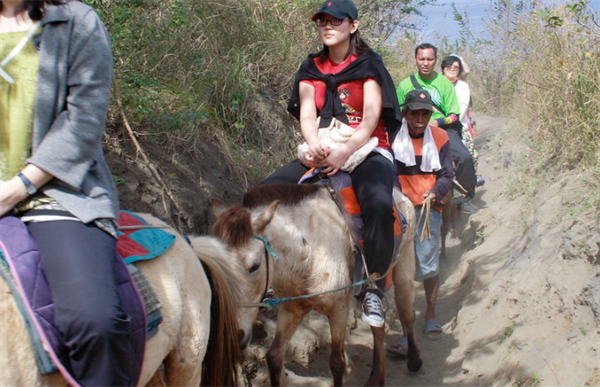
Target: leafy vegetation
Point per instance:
(542, 65)
(189, 70)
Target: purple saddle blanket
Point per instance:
(23, 257)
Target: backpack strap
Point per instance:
(417, 85)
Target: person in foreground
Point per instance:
(55, 83)
(446, 116)
(424, 167)
(348, 81)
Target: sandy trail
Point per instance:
(506, 313)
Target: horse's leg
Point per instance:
(404, 293)
(377, 377)
(448, 221)
(183, 365)
(338, 320)
(157, 379)
(288, 318)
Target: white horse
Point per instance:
(308, 231)
(199, 308)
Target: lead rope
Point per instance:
(268, 250)
(425, 231)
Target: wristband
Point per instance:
(29, 186)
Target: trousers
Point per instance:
(79, 263)
(427, 253)
(464, 169)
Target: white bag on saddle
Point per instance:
(336, 134)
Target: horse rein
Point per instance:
(426, 208)
(268, 250)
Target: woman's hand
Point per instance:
(14, 191)
(336, 159)
(11, 193)
(317, 152)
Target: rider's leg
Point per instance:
(289, 173)
(79, 262)
(373, 182)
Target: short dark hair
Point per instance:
(424, 46)
(35, 8)
(449, 60)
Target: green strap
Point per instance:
(267, 244)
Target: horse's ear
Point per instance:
(265, 217)
(217, 207)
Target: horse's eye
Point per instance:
(254, 268)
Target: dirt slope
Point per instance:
(520, 294)
(179, 182)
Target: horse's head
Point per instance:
(242, 230)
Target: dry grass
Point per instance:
(190, 69)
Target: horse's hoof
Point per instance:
(414, 365)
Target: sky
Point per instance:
(440, 18)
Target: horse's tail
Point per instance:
(220, 365)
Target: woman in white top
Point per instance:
(453, 69)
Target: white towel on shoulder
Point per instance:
(405, 152)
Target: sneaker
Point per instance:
(480, 180)
(373, 313)
(469, 208)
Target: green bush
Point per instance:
(196, 68)
(542, 66)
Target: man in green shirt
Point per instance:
(446, 116)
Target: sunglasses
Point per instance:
(333, 22)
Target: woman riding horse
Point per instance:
(348, 81)
(55, 80)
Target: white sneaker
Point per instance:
(373, 313)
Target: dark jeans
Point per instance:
(373, 182)
(79, 262)
(464, 170)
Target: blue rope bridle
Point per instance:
(268, 303)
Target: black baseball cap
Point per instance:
(339, 9)
(418, 99)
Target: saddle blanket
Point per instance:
(32, 293)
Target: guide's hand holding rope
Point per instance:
(425, 211)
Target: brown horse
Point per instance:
(316, 254)
(200, 320)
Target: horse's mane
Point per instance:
(290, 194)
(234, 226)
